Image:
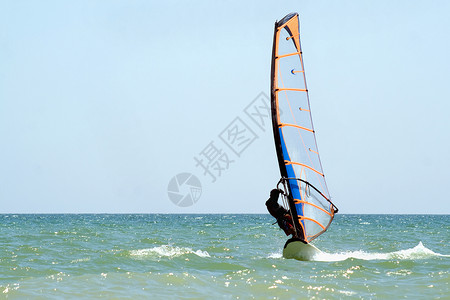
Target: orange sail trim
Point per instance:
(290, 37)
(303, 228)
(289, 89)
(312, 220)
(303, 165)
(313, 151)
(287, 55)
(296, 126)
(312, 204)
(293, 26)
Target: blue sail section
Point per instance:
(293, 184)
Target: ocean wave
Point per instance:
(417, 252)
(167, 251)
(74, 261)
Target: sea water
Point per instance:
(230, 256)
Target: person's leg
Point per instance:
(287, 227)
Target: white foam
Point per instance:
(80, 260)
(167, 251)
(418, 252)
(275, 255)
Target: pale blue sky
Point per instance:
(103, 102)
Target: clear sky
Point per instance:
(102, 103)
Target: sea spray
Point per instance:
(418, 252)
(167, 251)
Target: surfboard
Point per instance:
(300, 251)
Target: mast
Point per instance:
(276, 133)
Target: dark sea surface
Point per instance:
(228, 256)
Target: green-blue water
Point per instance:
(220, 256)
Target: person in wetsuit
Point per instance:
(282, 215)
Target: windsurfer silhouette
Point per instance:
(282, 215)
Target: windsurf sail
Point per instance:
(302, 176)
